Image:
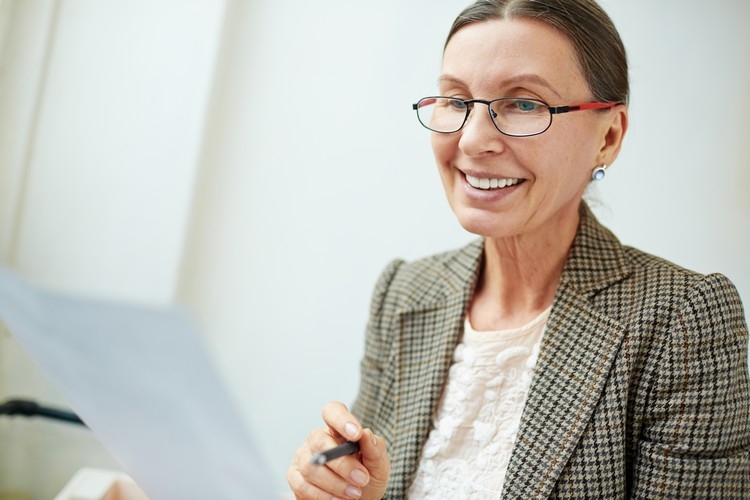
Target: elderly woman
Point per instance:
(545, 359)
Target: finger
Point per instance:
(303, 489)
(308, 480)
(341, 422)
(374, 457)
(322, 483)
(349, 468)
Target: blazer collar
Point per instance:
(430, 325)
(596, 259)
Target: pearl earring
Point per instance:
(599, 173)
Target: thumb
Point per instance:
(375, 459)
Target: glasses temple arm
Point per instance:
(582, 107)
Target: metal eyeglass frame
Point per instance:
(553, 110)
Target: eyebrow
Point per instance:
(513, 80)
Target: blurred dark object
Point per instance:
(31, 409)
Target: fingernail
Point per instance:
(353, 492)
(359, 477)
(351, 430)
(374, 439)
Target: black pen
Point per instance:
(341, 450)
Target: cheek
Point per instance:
(444, 148)
(573, 163)
(586, 137)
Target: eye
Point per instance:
(456, 104)
(527, 106)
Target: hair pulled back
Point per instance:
(595, 40)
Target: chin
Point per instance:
(488, 225)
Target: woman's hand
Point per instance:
(362, 475)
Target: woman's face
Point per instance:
(547, 173)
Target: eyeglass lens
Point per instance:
(517, 117)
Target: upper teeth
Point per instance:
(485, 183)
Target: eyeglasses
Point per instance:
(512, 116)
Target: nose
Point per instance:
(479, 136)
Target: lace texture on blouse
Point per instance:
(468, 450)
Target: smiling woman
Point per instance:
(530, 61)
(509, 367)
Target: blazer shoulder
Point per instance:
(658, 288)
(428, 281)
(601, 265)
(661, 275)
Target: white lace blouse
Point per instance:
(467, 452)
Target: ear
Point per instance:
(613, 133)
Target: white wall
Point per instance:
(118, 132)
(308, 170)
(101, 127)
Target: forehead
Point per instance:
(503, 54)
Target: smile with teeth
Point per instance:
(484, 183)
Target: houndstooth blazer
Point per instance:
(640, 390)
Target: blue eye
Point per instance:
(527, 105)
(458, 104)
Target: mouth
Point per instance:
(489, 184)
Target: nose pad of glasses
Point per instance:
(493, 113)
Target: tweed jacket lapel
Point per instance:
(578, 351)
(430, 328)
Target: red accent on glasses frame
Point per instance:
(582, 107)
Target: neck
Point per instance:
(520, 275)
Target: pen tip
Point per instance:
(318, 459)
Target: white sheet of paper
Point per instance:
(142, 381)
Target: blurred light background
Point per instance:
(259, 162)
